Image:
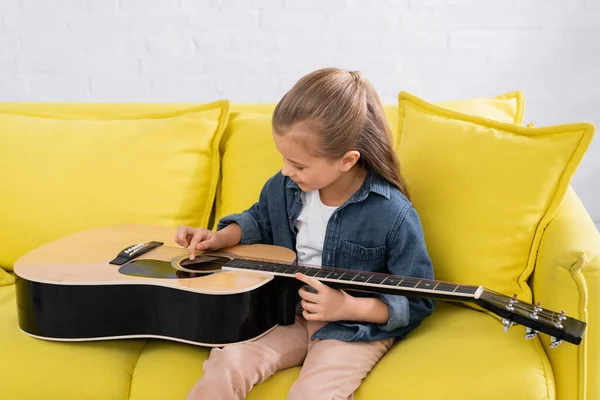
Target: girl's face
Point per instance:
(309, 172)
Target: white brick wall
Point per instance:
(253, 50)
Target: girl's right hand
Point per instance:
(197, 239)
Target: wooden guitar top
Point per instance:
(83, 259)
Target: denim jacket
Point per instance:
(376, 229)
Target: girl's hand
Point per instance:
(197, 239)
(326, 305)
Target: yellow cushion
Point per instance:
(63, 172)
(485, 190)
(508, 107)
(6, 278)
(167, 370)
(250, 157)
(423, 366)
(36, 369)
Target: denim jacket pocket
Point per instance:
(355, 256)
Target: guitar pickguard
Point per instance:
(202, 265)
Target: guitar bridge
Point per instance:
(134, 251)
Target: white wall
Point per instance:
(253, 50)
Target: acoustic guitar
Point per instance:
(127, 282)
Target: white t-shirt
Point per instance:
(311, 225)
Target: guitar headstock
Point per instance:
(535, 318)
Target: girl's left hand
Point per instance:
(326, 305)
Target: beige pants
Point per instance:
(332, 369)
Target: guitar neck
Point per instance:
(363, 281)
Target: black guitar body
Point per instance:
(88, 312)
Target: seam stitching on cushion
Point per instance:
(401, 118)
(90, 117)
(488, 122)
(520, 108)
(216, 163)
(519, 112)
(545, 220)
(580, 281)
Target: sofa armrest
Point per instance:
(567, 276)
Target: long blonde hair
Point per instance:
(344, 108)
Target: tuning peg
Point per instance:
(512, 302)
(530, 333)
(507, 324)
(536, 310)
(554, 342)
(561, 318)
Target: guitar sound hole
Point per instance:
(204, 264)
(156, 269)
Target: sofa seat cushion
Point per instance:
(36, 369)
(458, 353)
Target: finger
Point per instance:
(187, 233)
(309, 296)
(181, 235)
(310, 281)
(310, 317)
(311, 307)
(205, 245)
(198, 237)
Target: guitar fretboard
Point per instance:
(359, 280)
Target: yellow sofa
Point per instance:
(52, 178)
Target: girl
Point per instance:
(338, 201)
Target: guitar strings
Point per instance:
(550, 314)
(183, 251)
(526, 308)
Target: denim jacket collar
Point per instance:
(373, 183)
